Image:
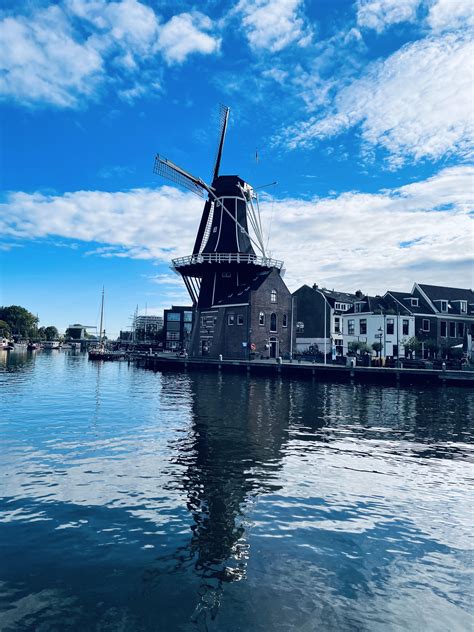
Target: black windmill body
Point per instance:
(224, 258)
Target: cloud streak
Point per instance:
(351, 240)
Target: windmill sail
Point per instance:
(223, 118)
(167, 169)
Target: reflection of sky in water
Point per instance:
(134, 500)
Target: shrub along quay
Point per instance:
(308, 370)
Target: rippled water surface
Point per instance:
(133, 500)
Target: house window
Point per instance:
(273, 322)
(463, 307)
(358, 307)
(273, 296)
(342, 307)
(390, 326)
(350, 327)
(460, 330)
(172, 335)
(261, 318)
(240, 319)
(173, 316)
(426, 324)
(405, 326)
(230, 319)
(452, 329)
(363, 326)
(443, 329)
(285, 320)
(443, 306)
(414, 302)
(188, 317)
(337, 325)
(300, 327)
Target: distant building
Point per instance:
(378, 319)
(78, 332)
(147, 327)
(320, 312)
(444, 317)
(177, 326)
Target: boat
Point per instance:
(32, 346)
(7, 345)
(99, 352)
(51, 344)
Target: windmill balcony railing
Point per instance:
(227, 257)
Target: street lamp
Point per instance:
(379, 336)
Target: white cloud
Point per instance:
(274, 24)
(347, 241)
(42, 61)
(451, 14)
(65, 53)
(185, 34)
(379, 14)
(416, 104)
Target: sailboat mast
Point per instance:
(101, 317)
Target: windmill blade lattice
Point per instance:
(166, 169)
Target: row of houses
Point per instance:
(315, 320)
(441, 318)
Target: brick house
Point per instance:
(254, 319)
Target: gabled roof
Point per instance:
(452, 295)
(242, 294)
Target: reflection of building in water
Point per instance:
(230, 456)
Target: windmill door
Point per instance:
(273, 347)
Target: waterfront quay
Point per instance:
(309, 370)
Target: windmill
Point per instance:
(229, 247)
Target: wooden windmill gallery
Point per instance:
(241, 304)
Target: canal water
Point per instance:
(141, 501)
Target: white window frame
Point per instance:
(273, 296)
(414, 302)
(425, 320)
(231, 319)
(261, 319)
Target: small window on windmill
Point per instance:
(226, 275)
(214, 230)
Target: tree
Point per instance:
(377, 347)
(411, 345)
(357, 346)
(51, 333)
(4, 329)
(21, 321)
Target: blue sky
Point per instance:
(361, 110)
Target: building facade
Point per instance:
(253, 321)
(177, 327)
(376, 319)
(319, 326)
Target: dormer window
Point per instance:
(342, 307)
(443, 306)
(463, 307)
(358, 307)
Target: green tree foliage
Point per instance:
(51, 333)
(357, 346)
(411, 344)
(377, 347)
(5, 329)
(20, 320)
